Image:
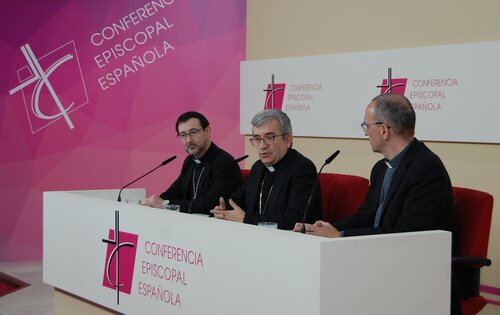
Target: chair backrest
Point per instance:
(341, 195)
(472, 219)
(244, 174)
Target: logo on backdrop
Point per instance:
(275, 93)
(120, 260)
(393, 85)
(52, 86)
(425, 94)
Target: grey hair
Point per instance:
(396, 111)
(263, 116)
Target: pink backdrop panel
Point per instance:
(90, 91)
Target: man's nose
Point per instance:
(262, 144)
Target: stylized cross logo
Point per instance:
(389, 84)
(270, 93)
(115, 241)
(41, 78)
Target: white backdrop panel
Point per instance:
(452, 88)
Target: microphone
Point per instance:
(218, 173)
(238, 160)
(170, 159)
(327, 161)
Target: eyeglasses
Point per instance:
(268, 139)
(365, 126)
(191, 133)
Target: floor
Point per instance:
(38, 298)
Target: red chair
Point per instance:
(341, 195)
(472, 219)
(244, 174)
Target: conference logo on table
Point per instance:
(120, 260)
(52, 86)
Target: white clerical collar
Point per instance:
(271, 169)
(196, 161)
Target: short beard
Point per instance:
(195, 151)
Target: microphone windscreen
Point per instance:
(334, 155)
(170, 159)
(238, 160)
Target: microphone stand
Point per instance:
(154, 169)
(327, 161)
(217, 175)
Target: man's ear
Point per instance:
(385, 131)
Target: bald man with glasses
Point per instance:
(207, 173)
(410, 189)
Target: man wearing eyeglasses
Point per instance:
(208, 172)
(410, 189)
(279, 183)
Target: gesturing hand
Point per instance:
(220, 212)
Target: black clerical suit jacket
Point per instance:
(292, 185)
(220, 178)
(419, 197)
